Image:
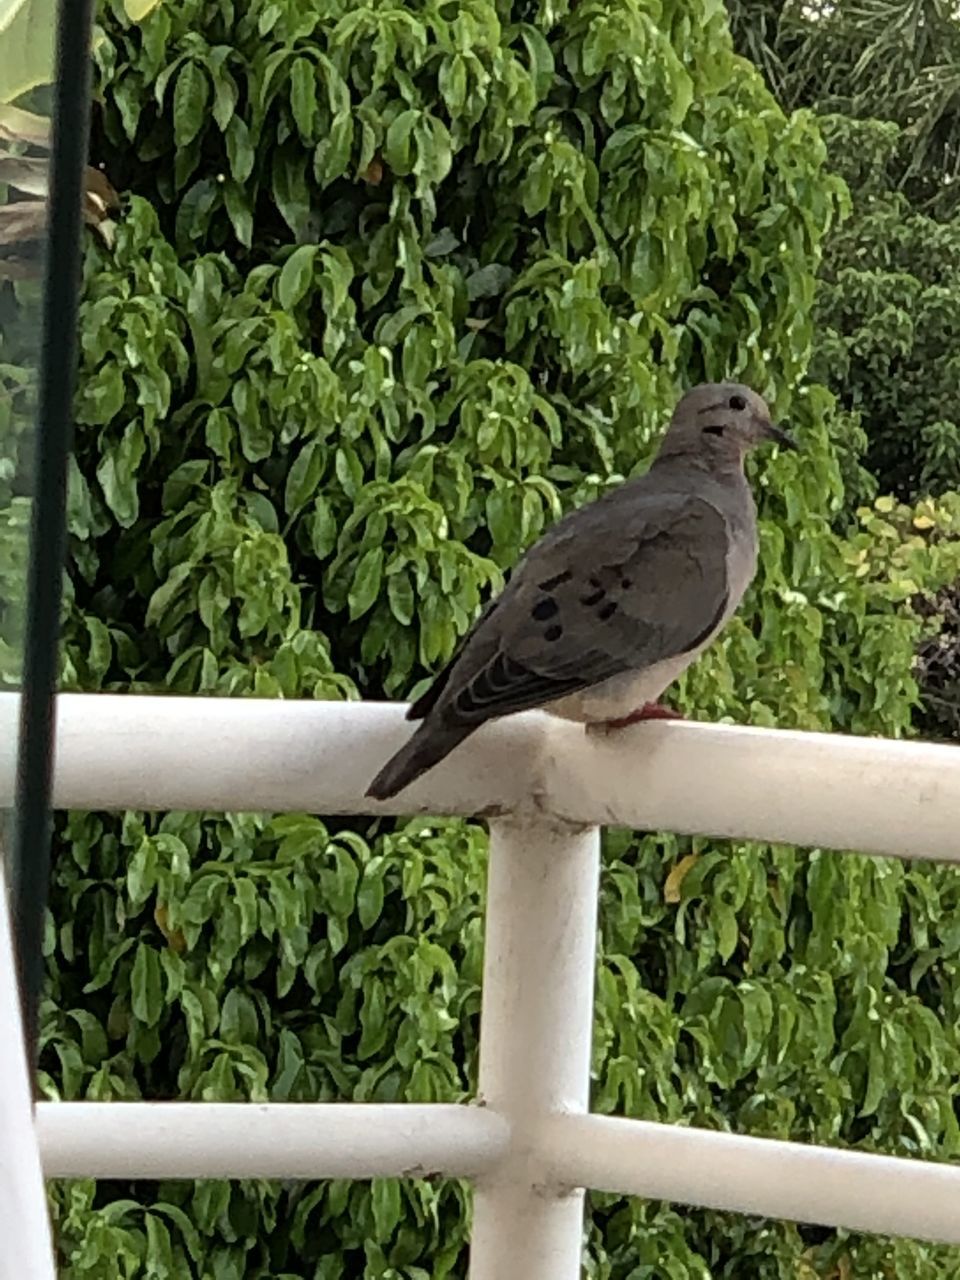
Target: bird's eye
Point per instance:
(713, 431)
(738, 403)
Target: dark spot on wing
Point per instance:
(549, 583)
(553, 633)
(544, 609)
(625, 584)
(607, 611)
(596, 595)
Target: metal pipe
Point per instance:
(266, 1140)
(535, 1041)
(871, 795)
(125, 751)
(783, 1180)
(25, 1243)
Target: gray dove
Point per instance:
(617, 599)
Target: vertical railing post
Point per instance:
(25, 1247)
(535, 1040)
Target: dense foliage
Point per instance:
(893, 60)
(395, 285)
(884, 78)
(888, 311)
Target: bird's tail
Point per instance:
(427, 747)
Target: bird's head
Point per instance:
(721, 420)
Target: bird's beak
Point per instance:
(783, 439)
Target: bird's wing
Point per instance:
(617, 587)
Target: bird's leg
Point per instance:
(649, 711)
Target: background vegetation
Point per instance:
(392, 286)
(884, 79)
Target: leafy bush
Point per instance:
(884, 87)
(394, 286)
(884, 84)
(888, 314)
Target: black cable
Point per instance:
(32, 832)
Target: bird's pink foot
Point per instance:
(649, 711)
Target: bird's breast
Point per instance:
(611, 699)
(741, 564)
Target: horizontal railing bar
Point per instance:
(873, 795)
(130, 751)
(759, 1176)
(267, 1140)
(780, 1180)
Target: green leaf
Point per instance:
(240, 153)
(159, 1253)
(103, 396)
(323, 528)
(331, 159)
(142, 872)
(489, 281)
(116, 473)
(256, 438)
(434, 153)
(387, 1206)
(444, 242)
(239, 212)
(296, 276)
(218, 433)
(209, 1203)
(93, 1040)
(370, 894)
(191, 97)
(224, 94)
(401, 596)
(304, 477)
(397, 150)
(182, 481)
(100, 654)
(27, 51)
(365, 587)
(238, 1019)
(452, 82)
(373, 1020)
(303, 97)
(349, 471)
(146, 986)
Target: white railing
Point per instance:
(529, 1144)
(24, 1228)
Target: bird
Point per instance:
(616, 600)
